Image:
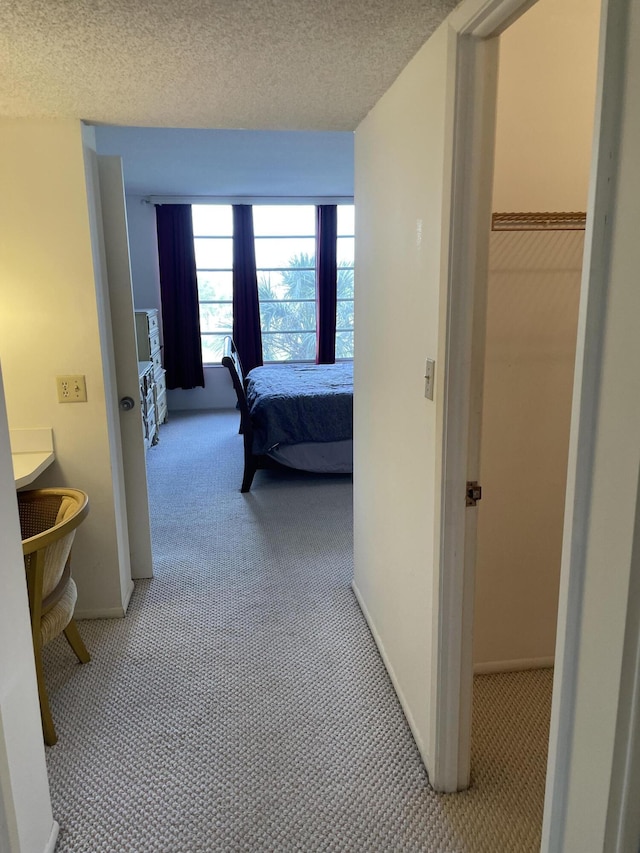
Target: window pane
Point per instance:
(213, 254)
(344, 318)
(287, 220)
(345, 283)
(212, 348)
(345, 250)
(287, 284)
(344, 345)
(287, 316)
(289, 347)
(285, 252)
(212, 219)
(346, 217)
(216, 318)
(215, 285)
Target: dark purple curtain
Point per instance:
(246, 307)
(179, 292)
(326, 282)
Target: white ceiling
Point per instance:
(256, 64)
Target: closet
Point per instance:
(544, 128)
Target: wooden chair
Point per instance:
(48, 521)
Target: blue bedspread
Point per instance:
(290, 403)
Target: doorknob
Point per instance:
(126, 404)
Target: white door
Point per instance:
(116, 242)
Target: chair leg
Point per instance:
(48, 729)
(75, 641)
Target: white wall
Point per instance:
(544, 127)
(532, 315)
(400, 165)
(546, 97)
(143, 252)
(26, 821)
(192, 162)
(50, 324)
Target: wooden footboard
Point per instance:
(252, 462)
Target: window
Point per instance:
(345, 255)
(213, 241)
(286, 265)
(285, 243)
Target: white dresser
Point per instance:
(148, 403)
(148, 335)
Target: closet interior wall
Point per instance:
(533, 294)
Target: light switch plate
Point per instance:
(429, 378)
(71, 389)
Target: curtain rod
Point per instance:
(547, 221)
(254, 199)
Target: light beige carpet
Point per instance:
(242, 704)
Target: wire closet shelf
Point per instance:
(572, 221)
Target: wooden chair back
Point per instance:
(48, 521)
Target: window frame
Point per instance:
(260, 202)
(262, 269)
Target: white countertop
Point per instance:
(28, 466)
(31, 453)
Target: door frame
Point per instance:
(123, 345)
(472, 83)
(472, 77)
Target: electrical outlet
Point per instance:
(71, 389)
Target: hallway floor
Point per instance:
(242, 704)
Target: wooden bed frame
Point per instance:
(331, 459)
(252, 461)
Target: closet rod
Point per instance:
(572, 221)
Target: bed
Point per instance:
(296, 415)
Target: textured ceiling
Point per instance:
(271, 64)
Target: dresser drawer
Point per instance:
(161, 382)
(152, 320)
(162, 408)
(147, 333)
(154, 342)
(151, 425)
(150, 400)
(147, 379)
(156, 358)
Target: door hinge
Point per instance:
(474, 492)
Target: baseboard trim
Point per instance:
(392, 675)
(488, 667)
(50, 846)
(100, 613)
(128, 595)
(107, 612)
